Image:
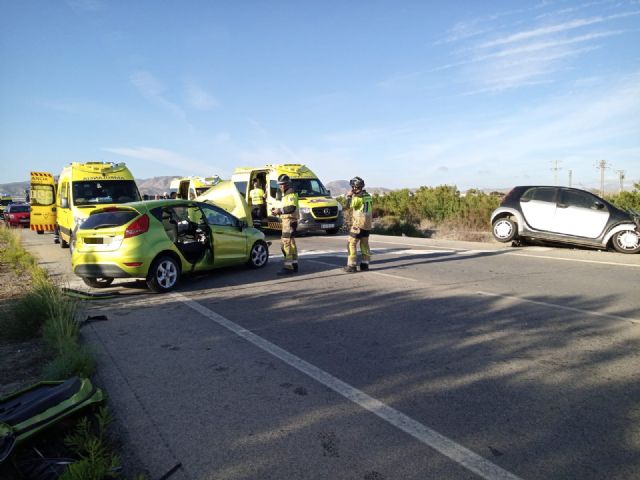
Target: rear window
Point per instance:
(541, 194)
(19, 208)
(108, 219)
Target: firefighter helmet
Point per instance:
(284, 179)
(357, 182)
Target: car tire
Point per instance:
(626, 241)
(504, 230)
(40, 232)
(164, 274)
(259, 255)
(97, 282)
(63, 244)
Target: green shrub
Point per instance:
(71, 359)
(397, 227)
(89, 442)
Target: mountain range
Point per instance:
(160, 185)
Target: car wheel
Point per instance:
(627, 241)
(97, 282)
(63, 244)
(40, 232)
(504, 230)
(259, 255)
(163, 274)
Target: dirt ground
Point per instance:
(21, 361)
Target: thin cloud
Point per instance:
(151, 88)
(163, 157)
(199, 98)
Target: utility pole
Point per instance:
(570, 175)
(602, 165)
(555, 169)
(621, 175)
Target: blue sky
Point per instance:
(482, 94)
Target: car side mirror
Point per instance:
(64, 203)
(599, 205)
(241, 224)
(328, 193)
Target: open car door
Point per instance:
(226, 196)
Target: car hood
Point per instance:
(226, 196)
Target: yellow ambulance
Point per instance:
(5, 200)
(83, 187)
(188, 188)
(42, 198)
(318, 210)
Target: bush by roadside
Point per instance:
(38, 323)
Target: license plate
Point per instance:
(327, 225)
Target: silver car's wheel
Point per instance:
(504, 229)
(259, 255)
(627, 241)
(163, 275)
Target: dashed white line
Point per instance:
(617, 264)
(447, 447)
(562, 307)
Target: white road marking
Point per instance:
(420, 252)
(617, 264)
(397, 277)
(562, 307)
(447, 447)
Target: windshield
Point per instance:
(100, 192)
(42, 195)
(309, 187)
(201, 190)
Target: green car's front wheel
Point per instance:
(163, 274)
(259, 255)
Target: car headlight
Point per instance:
(305, 210)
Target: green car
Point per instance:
(162, 239)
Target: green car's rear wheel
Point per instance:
(163, 274)
(97, 282)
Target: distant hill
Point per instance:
(341, 187)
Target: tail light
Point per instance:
(141, 225)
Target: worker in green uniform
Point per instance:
(361, 206)
(288, 213)
(257, 198)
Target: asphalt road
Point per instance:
(446, 360)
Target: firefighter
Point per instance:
(361, 213)
(288, 213)
(257, 198)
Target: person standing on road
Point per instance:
(288, 213)
(361, 218)
(257, 197)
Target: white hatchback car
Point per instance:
(565, 215)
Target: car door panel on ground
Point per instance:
(580, 214)
(229, 242)
(539, 206)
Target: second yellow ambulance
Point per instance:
(83, 187)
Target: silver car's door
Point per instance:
(580, 214)
(538, 205)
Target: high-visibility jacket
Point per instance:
(361, 205)
(256, 195)
(290, 205)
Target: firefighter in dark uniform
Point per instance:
(288, 213)
(257, 198)
(361, 218)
